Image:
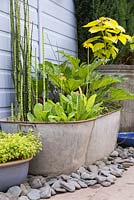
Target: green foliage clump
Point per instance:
(84, 92)
(73, 107)
(18, 146)
(71, 74)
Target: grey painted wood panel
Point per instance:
(59, 12)
(65, 4)
(61, 41)
(6, 79)
(51, 53)
(6, 97)
(58, 26)
(4, 111)
(5, 60)
(59, 23)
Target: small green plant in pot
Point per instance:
(16, 150)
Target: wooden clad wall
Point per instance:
(59, 23)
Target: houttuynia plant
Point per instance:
(106, 33)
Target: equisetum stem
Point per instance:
(36, 79)
(43, 69)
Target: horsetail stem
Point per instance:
(36, 78)
(43, 70)
(29, 66)
(12, 112)
(21, 100)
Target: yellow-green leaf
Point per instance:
(113, 52)
(116, 49)
(98, 46)
(93, 39)
(87, 44)
(122, 39)
(102, 18)
(113, 22)
(108, 24)
(91, 102)
(132, 47)
(121, 29)
(128, 37)
(116, 31)
(113, 39)
(96, 29)
(90, 24)
(107, 53)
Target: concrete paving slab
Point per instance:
(123, 189)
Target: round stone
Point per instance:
(93, 168)
(111, 178)
(45, 192)
(82, 184)
(14, 191)
(34, 194)
(114, 154)
(23, 198)
(75, 175)
(69, 186)
(35, 183)
(53, 192)
(101, 179)
(90, 182)
(75, 183)
(106, 184)
(88, 176)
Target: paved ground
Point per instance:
(123, 189)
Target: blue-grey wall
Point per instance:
(58, 20)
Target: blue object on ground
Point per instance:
(126, 139)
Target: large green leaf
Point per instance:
(51, 68)
(72, 85)
(38, 110)
(74, 61)
(104, 81)
(55, 79)
(40, 84)
(60, 112)
(91, 102)
(44, 115)
(30, 117)
(117, 94)
(96, 64)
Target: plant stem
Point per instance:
(12, 112)
(21, 100)
(18, 54)
(43, 70)
(29, 66)
(88, 73)
(36, 79)
(88, 56)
